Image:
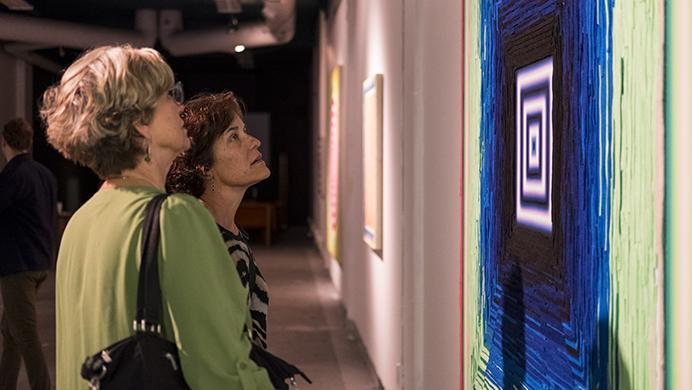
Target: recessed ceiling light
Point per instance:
(239, 48)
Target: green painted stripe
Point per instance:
(473, 320)
(668, 282)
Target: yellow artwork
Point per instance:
(333, 168)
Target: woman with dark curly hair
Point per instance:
(117, 110)
(222, 163)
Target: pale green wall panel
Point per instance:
(636, 259)
(473, 322)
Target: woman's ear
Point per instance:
(142, 129)
(207, 172)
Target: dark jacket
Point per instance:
(28, 216)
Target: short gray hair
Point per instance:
(90, 114)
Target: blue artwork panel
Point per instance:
(544, 221)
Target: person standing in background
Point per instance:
(28, 218)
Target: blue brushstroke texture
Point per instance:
(557, 354)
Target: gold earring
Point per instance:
(212, 184)
(147, 157)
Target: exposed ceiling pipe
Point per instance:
(17, 5)
(229, 6)
(73, 35)
(280, 17)
(35, 33)
(24, 51)
(277, 28)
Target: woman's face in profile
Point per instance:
(237, 159)
(167, 128)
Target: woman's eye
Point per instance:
(234, 137)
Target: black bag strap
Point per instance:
(148, 317)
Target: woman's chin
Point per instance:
(260, 178)
(184, 147)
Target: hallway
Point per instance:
(497, 192)
(307, 324)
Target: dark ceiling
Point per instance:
(197, 14)
(271, 79)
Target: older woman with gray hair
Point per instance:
(117, 110)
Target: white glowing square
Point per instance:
(535, 188)
(534, 145)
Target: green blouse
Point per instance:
(205, 304)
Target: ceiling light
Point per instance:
(239, 48)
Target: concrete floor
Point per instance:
(307, 324)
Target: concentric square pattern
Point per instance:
(534, 143)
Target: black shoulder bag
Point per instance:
(278, 369)
(145, 360)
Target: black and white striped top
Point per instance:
(241, 253)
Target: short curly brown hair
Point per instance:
(90, 114)
(206, 118)
(18, 134)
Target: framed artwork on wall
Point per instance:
(332, 202)
(562, 195)
(372, 161)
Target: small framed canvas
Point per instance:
(372, 161)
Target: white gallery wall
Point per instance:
(432, 181)
(405, 299)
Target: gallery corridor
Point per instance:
(454, 194)
(307, 323)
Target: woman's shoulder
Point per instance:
(184, 209)
(178, 201)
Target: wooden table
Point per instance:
(257, 215)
